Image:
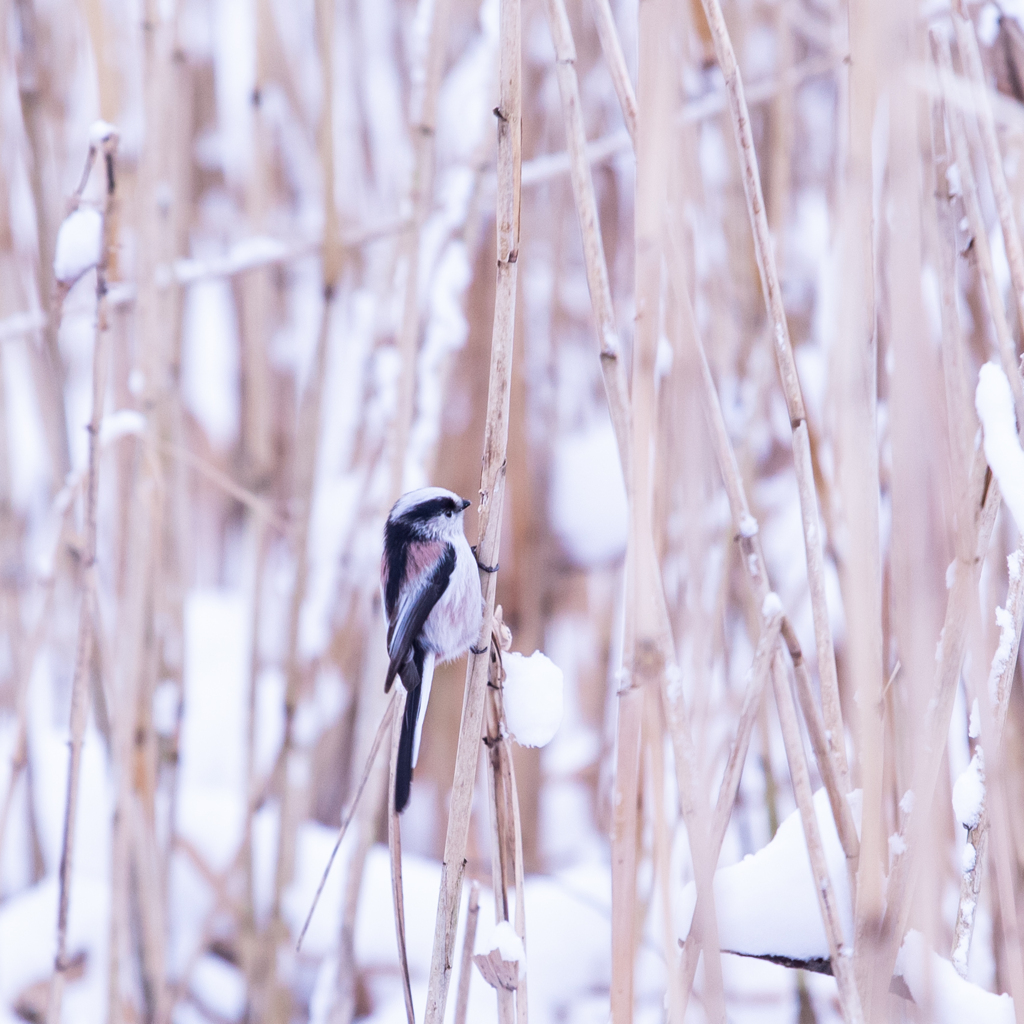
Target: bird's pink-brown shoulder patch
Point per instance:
(422, 556)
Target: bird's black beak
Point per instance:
(465, 504)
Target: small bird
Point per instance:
(433, 603)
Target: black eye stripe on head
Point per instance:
(426, 510)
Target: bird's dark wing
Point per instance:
(413, 612)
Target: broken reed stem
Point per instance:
(998, 689)
(608, 35)
(970, 58)
(976, 523)
(518, 863)
(466, 959)
(423, 115)
(790, 381)
(87, 616)
(612, 365)
(752, 559)
(347, 820)
(972, 205)
(395, 855)
(500, 824)
(752, 697)
(492, 495)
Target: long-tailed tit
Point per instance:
(433, 604)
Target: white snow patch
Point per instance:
(993, 400)
(897, 846)
(772, 605)
(768, 903)
(120, 424)
(588, 498)
(969, 791)
(968, 858)
(907, 802)
(78, 244)
(934, 982)
(951, 574)
(748, 526)
(210, 360)
(505, 940)
(100, 131)
(533, 698)
(974, 725)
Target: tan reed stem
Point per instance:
(423, 117)
(752, 559)
(500, 825)
(972, 205)
(612, 365)
(788, 375)
(970, 58)
(466, 959)
(998, 690)
(492, 494)
(395, 856)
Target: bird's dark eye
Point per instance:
(449, 513)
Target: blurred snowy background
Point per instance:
(296, 327)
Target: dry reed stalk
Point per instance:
(423, 117)
(492, 493)
(972, 205)
(608, 35)
(88, 612)
(612, 365)
(395, 855)
(500, 824)
(662, 855)
(307, 446)
(545, 168)
(649, 657)
(256, 286)
(959, 416)
(519, 868)
(977, 837)
(855, 364)
(970, 59)
(771, 288)
(466, 959)
(752, 559)
(34, 85)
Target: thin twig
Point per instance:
(347, 819)
(87, 618)
(395, 855)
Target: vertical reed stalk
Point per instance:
(466, 959)
(88, 611)
(492, 494)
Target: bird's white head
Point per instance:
(430, 513)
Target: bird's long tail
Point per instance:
(403, 770)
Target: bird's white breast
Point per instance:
(454, 623)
